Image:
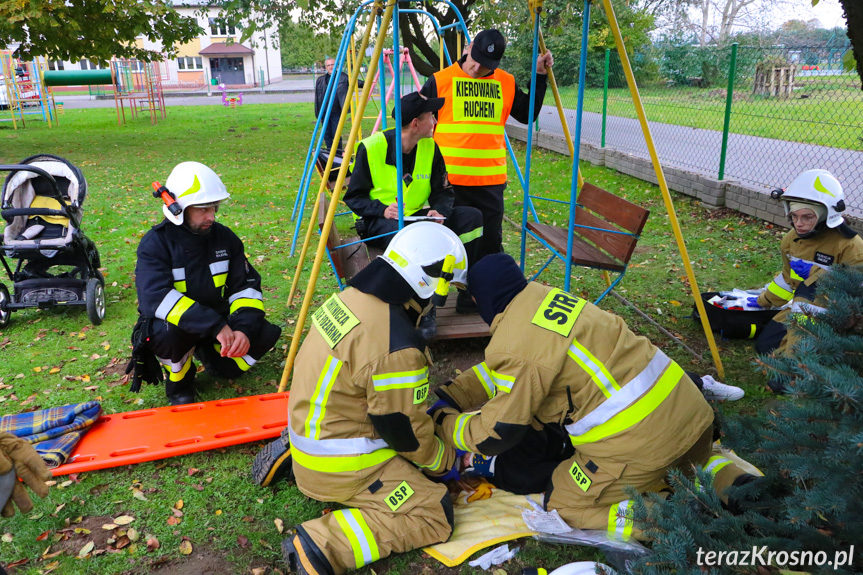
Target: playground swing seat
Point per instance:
(41, 202)
(606, 231)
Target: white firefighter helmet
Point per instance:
(429, 257)
(817, 187)
(194, 184)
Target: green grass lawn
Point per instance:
(56, 357)
(825, 116)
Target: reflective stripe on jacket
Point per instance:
(470, 129)
(384, 176)
(557, 359)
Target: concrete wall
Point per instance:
(711, 192)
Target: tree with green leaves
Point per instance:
(810, 447)
(95, 29)
(301, 47)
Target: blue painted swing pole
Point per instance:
(397, 116)
(579, 109)
(531, 107)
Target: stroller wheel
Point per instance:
(5, 312)
(95, 301)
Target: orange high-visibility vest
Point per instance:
(470, 129)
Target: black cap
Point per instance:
(488, 47)
(415, 105)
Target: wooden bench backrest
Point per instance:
(601, 209)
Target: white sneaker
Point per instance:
(716, 391)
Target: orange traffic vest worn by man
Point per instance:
(470, 132)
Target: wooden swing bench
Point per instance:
(607, 228)
(350, 258)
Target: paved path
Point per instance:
(761, 161)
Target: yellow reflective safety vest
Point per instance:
(385, 176)
(470, 129)
(358, 398)
(555, 358)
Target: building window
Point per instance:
(55, 65)
(190, 63)
(219, 28)
(88, 65)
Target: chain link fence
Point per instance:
(750, 114)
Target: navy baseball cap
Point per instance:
(415, 105)
(488, 47)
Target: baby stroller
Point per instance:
(57, 265)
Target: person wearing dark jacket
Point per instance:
(197, 293)
(341, 95)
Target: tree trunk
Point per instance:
(424, 52)
(854, 19)
(705, 19)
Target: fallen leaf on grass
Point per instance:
(186, 547)
(259, 571)
(152, 544)
(218, 511)
(193, 471)
(54, 370)
(280, 525)
(51, 566)
(6, 538)
(86, 549)
(178, 504)
(173, 521)
(109, 526)
(243, 541)
(132, 534)
(138, 494)
(124, 520)
(43, 536)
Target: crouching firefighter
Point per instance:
(357, 424)
(198, 296)
(573, 404)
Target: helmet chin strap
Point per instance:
(419, 307)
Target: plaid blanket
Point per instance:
(53, 432)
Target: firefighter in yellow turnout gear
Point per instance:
(575, 404)
(818, 240)
(358, 428)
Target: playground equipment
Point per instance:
(593, 227)
(231, 101)
(23, 90)
(136, 83)
(404, 60)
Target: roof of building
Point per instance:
(222, 49)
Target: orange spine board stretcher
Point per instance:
(152, 434)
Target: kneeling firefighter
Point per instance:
(819, 239)
(574, 404)
(198, 295)
(358, 432)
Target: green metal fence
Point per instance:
(749, 114)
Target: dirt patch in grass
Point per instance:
(451, 357)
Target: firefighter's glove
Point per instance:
(143, 365)
(19, 459)
(439, 404)
(454, 474)
(801, 268)
(753, 302)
